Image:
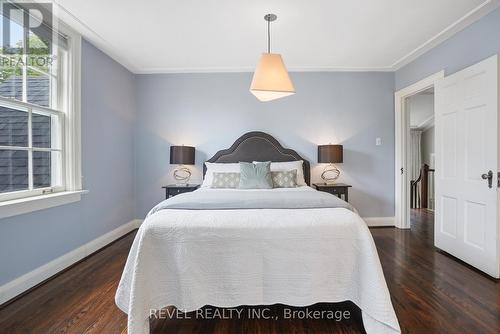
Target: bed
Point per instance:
(232, 247)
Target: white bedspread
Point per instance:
(227, 258)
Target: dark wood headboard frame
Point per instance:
(258, 146)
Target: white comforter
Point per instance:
(227, 258)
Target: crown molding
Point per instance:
(245, 69)
(107, 47)
(89, 34)
(429, 123)
(425, 124)
(463, 22)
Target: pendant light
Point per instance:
(270, 80)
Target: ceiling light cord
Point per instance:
(269, 18)
(268, 36)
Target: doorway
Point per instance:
(420, 148)
(408, 167)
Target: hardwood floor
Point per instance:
(431, 293)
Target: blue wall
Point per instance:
(108, 115)
(469, 46)
(209, 111)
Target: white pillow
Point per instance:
(289, 165)
(217, 167)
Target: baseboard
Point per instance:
(379, 221)
(40, 274)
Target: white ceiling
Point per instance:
(229, 35)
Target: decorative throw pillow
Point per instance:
(226, 180)
(255, 176)
(285, 179)
(217, 167)
(289, 165)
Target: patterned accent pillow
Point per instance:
(284, 179)
(226, 180)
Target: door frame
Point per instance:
(402, 130)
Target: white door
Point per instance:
(467, 146)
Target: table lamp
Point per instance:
(330, 154)
(182, 155)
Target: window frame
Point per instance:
(30, 109)
(68, 111)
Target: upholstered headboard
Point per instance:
(258, 146)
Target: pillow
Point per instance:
(289, 165)
(255, 176)
(225, 180)
(217, 167)
(284, 179)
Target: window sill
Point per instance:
(29, 204)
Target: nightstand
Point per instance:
(173, 189)
(337, 189)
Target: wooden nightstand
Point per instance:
(337, 189)
(173, 189)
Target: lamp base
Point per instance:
(182, 176)
(330, 174)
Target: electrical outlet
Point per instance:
(378, 141)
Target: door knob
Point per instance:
(488, 177)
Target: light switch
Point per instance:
(378, 141)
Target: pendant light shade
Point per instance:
(271, 80)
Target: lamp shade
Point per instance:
(330, 154)
(270, 80)
(181, 155)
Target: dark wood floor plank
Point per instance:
(431, 291)
(434, 286)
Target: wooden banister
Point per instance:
(423, 178)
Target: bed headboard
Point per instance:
(258, 146)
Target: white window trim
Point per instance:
(72, 138)
(34, 203)
(72, 141)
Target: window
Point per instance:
(39, 107)
(30, 150)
